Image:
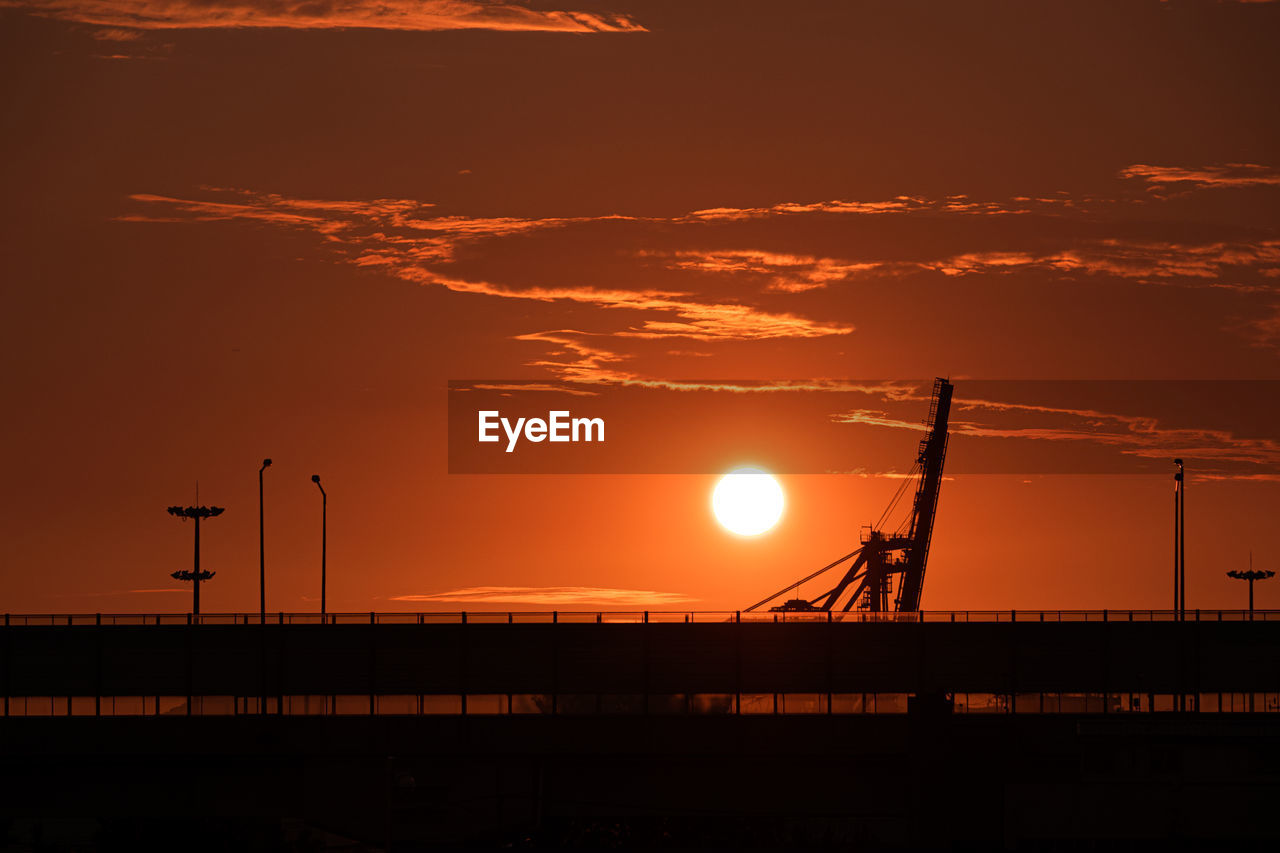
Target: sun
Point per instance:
(748, 501)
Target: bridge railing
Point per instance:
(630, 617)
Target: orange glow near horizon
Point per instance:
(238, 230)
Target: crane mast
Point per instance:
(883, 555)
(933, 452)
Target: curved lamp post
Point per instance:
(324, 535)
(195, 575)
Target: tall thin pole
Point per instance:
(195, 583)
(1179, 542)
(324, 537)
(1179, 590)
(324, 547)
(1182, 544)
(1175, 544)
(262, 550)
(1252, 576)
(195, 575)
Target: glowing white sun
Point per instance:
(748, 501)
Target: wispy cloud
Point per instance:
(1264, 330)
(551, 595)
(961, 204)
(414, 15)
(1134, 435)
(114, 593)
(414, 241)
(871, 417)
(706, 321)
(407, 240)
(112, 34)
(1222, 452)
(1225, 175)
(1125, 259)
(786, 273)
(1115, 257)
(540, 387)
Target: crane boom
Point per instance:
(883, 555)
(933, 452)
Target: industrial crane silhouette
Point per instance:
(882, 555)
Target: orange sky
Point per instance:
(239, 228)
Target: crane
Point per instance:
(904, 552)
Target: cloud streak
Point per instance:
(1130, 259)
(414, 241)
(550, 595)
(1134, 435)
(786, 273)
(1126, 259)
(406, 239)
(1205, 177)
(1218, 453)
(409, 15)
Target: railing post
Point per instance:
(737, 616)
(555, 616)
(1104, 614)
(646, 617)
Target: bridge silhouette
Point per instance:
(408, 731)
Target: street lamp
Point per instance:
(195, 575)
(1179, 543)
(1251, 576)
(262, 550)
(324, 535)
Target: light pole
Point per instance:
(1251, 576)
(195, 575)
(1179, 543)
(262, 550)
(324, 535)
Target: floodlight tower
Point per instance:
(195, 575)
(1251, 576)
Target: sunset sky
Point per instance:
(236, 229)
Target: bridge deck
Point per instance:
(638, 662)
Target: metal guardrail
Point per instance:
(630, 617)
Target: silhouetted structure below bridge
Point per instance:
(856, 734)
